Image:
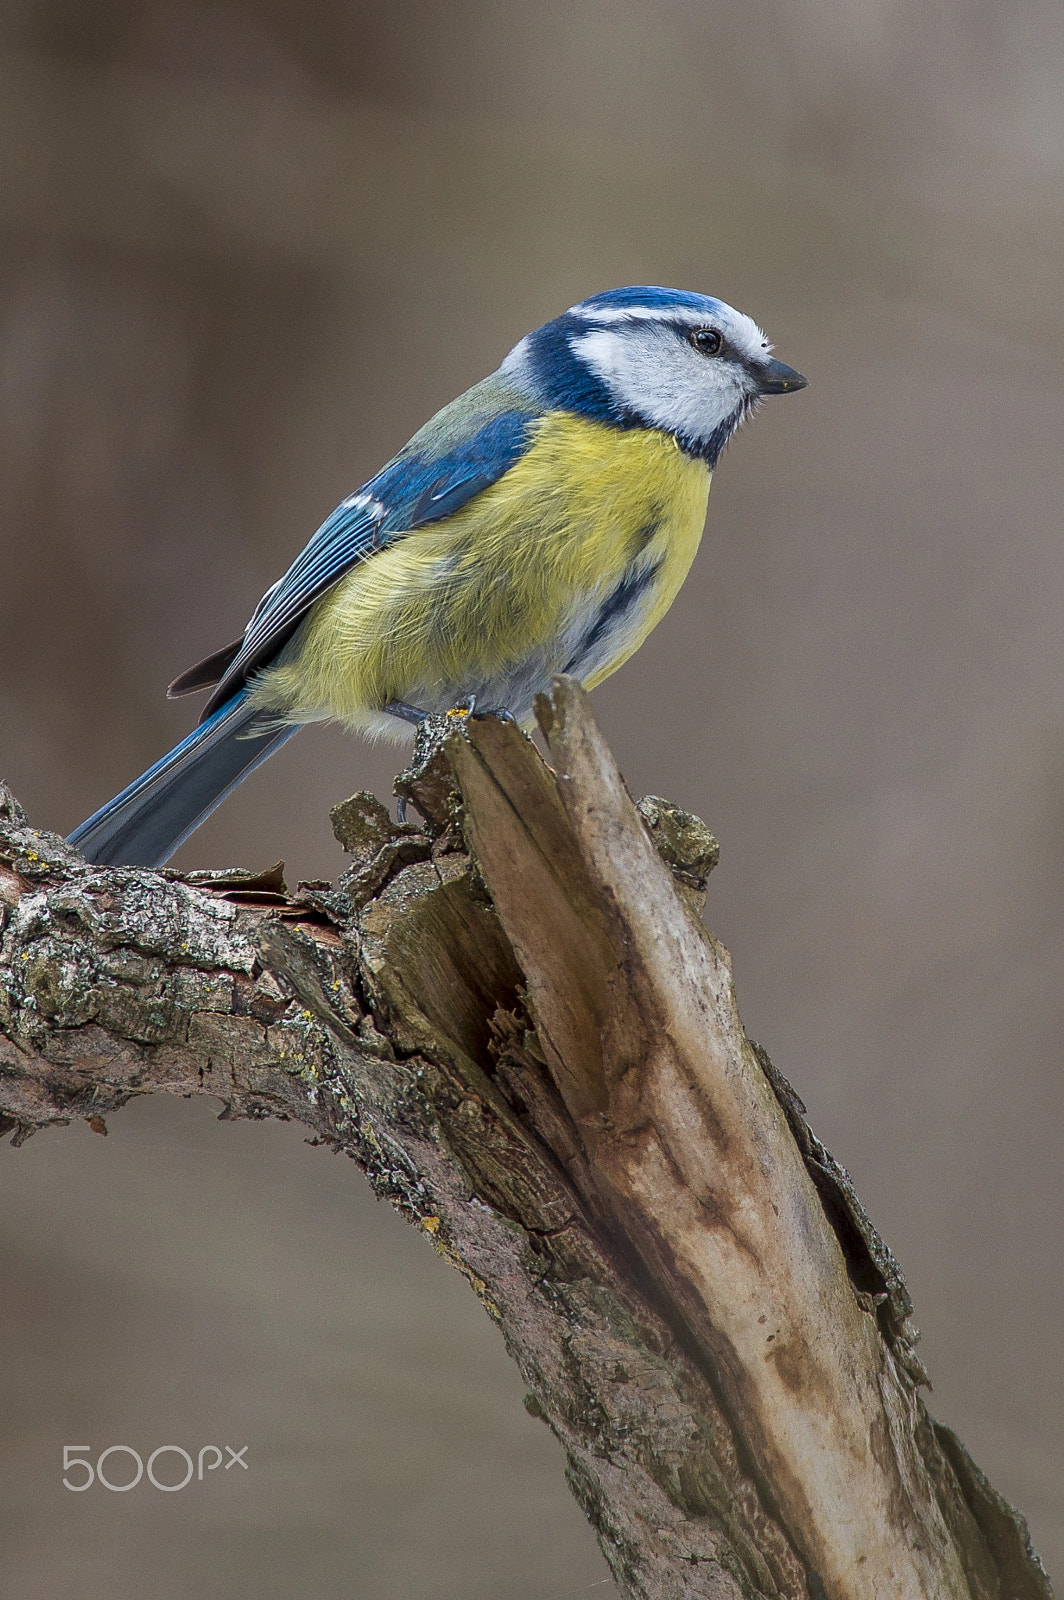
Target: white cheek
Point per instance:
(666, 383)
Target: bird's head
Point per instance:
(653, 358)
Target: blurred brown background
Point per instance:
(248, 248)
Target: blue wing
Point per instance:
(418, 486)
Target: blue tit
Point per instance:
(541, 523)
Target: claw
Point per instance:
(500, 714)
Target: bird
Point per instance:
(541, 523)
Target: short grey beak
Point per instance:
(772, 377)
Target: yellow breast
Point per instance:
(466, 600)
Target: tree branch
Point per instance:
(512, 1017)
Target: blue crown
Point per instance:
(649, 297)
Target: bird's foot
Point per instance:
(500, 714)
(406, 713)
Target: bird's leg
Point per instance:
(406, 713)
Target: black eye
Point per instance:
(708, 340)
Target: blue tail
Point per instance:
(143, 826)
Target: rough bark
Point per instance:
(512, 1017)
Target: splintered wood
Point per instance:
(691, 1157)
